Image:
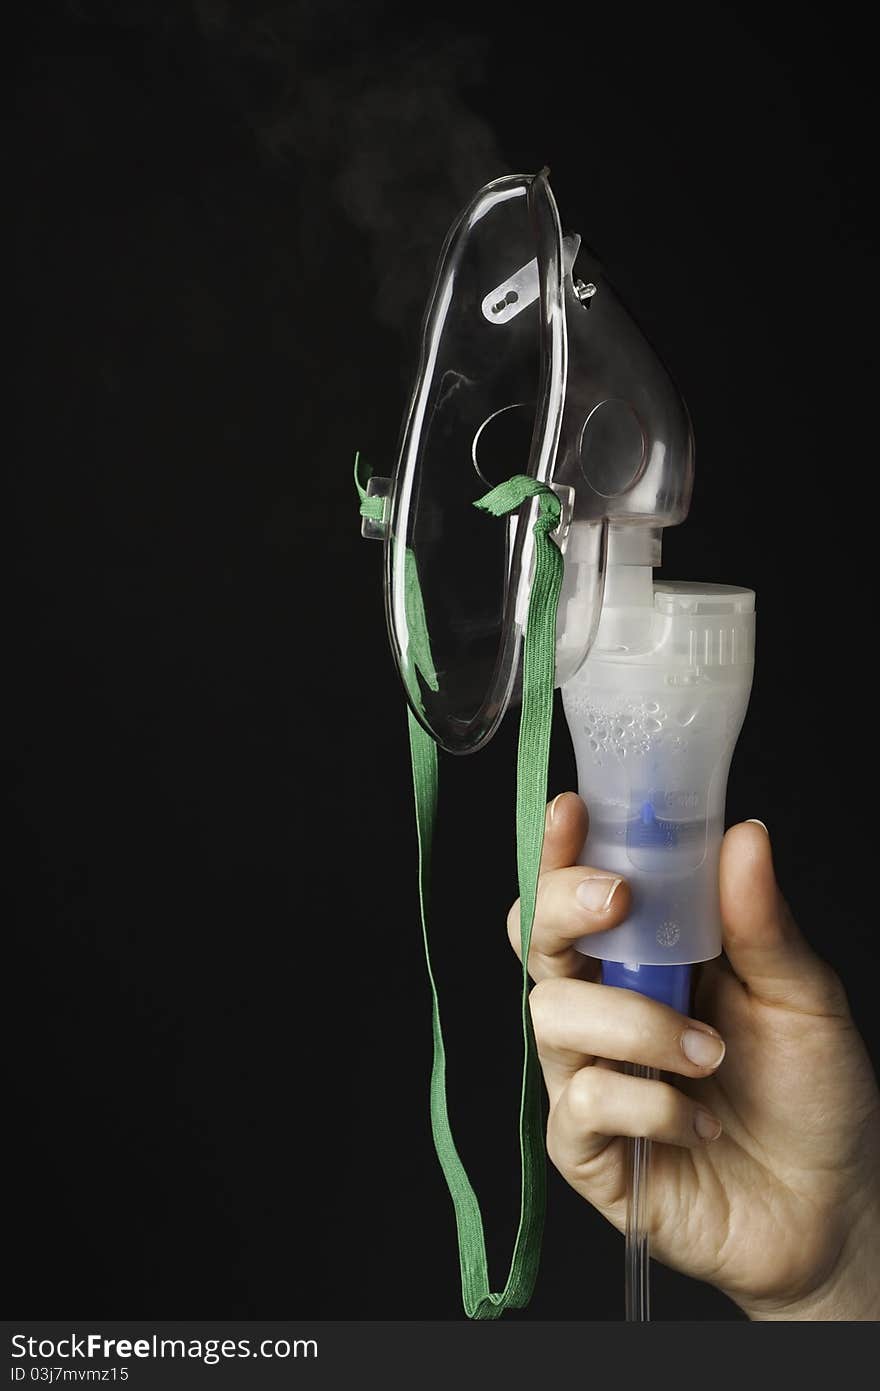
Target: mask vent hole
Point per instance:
(612, 451)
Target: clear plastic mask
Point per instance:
(523, 370)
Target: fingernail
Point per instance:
(706, 1125)
(597, 892)
(706, 1050)
(552, 811)
(753, 821)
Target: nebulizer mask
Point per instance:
(544, 450)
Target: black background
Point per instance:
(227, 216)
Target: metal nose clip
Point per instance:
(512, 296)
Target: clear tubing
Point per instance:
(670, 985)
(637, 1257)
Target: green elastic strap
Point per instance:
(539, 665)
(372, 507)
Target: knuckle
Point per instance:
(583, 1092)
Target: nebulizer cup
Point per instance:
(654, 713)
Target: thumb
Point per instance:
(762, 942)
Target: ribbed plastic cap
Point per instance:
(683, 597)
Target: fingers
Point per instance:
(576, 1021)
(598, 1104)
(761, 939)
(565, 831)
(572, 900)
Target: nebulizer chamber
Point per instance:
(654, 713)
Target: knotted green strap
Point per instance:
(539, 663)
(372, 507)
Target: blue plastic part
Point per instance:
(648, 829)
(671, 985)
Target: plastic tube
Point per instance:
(637, 1258)
(671, 985)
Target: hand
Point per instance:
(766, 1182)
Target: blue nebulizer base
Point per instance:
(671, 985)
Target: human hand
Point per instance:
(766, 1180)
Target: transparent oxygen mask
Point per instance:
(524, 369)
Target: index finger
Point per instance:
(572, 901)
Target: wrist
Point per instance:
(849, 1293)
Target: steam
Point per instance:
(381, 124)
(370, 121)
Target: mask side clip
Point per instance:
(374, 520)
